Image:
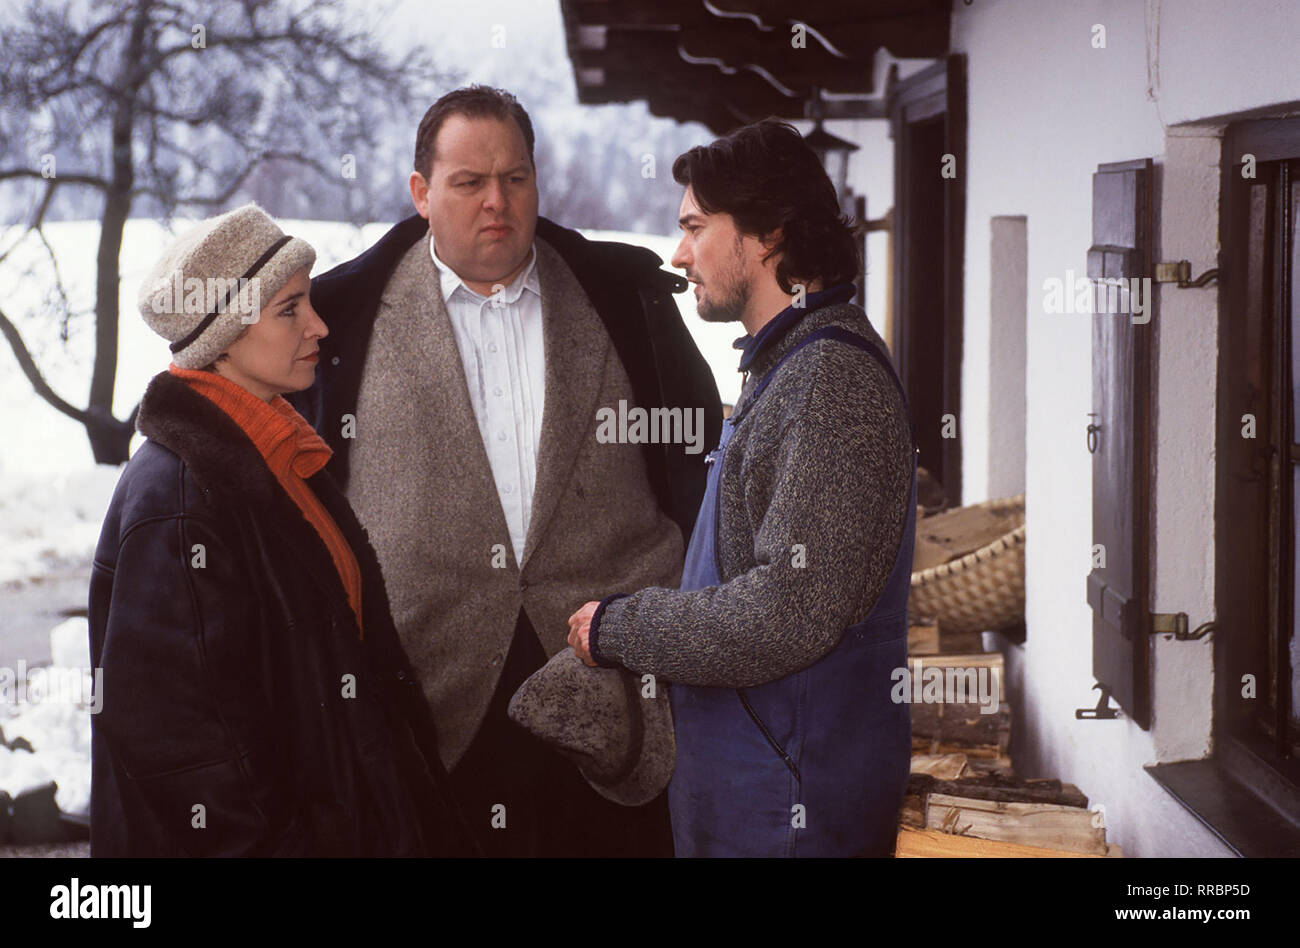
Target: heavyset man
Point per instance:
(469, 354)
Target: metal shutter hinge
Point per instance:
(1175, 624)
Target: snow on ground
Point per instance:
(50, 521)
(59, 734)
(54, 721)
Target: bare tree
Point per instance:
(177, 104)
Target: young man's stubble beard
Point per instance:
(734, 293)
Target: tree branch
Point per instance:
(234, 184)
(37, 219)
(33, 374)
(90, 180)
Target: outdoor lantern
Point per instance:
(834, 154)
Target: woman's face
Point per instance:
(279, 352)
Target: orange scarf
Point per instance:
(293, 451)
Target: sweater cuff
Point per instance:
(593, 635)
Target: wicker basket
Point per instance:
(980, 591)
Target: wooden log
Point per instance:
(949, 695)
(912, 812)
(922, 844)
(974, 752)
(980, 758)
(963, 725)
(1028, 824)
(996, 764)
(927, 637)
(961, 643)
(975, 659)
(940, 766)
(952, 674)
(998, 788)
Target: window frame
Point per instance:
(1254, 564)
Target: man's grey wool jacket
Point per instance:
(812, 504)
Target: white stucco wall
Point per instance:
(1045, 109)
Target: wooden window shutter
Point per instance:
(1118, 592)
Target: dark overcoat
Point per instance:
(242, 712)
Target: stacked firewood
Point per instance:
(963, 797)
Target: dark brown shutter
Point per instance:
(1121, 377)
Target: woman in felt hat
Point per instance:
(257, 700)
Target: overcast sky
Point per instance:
(462, 34)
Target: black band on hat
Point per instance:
(260, 262)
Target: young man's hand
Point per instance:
(580, 632)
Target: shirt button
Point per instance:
(334, 361)
(501, 436)
(507, 488)
(492, 347)
(497, 391)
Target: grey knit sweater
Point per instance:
(813, 499)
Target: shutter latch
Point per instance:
(1175, 624)
(1103, 711)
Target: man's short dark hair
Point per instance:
(477, 101)
(765, 176)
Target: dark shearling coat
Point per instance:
(242, 713)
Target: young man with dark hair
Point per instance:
(469, 354)
(791, 615)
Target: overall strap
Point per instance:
(839, 334)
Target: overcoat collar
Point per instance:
(220, 456)
(225, 463)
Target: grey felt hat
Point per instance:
(599, 718)
(211, 283)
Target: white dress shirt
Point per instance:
(501, 347)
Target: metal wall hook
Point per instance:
(1103, 711)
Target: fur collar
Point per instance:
(222, 459)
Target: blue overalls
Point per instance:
(812, 764)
